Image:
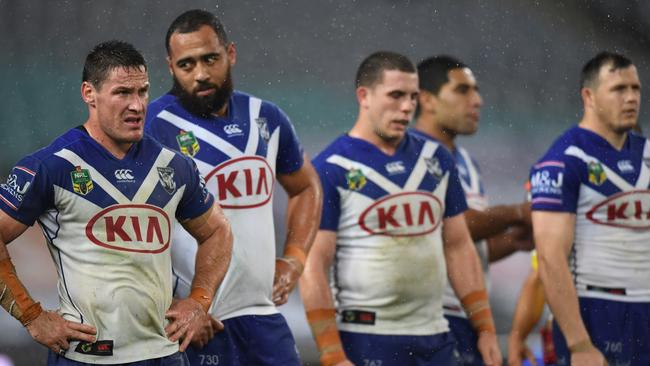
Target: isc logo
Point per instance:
(626, 209)
(245, 182)
(137, 228)
(403, 214)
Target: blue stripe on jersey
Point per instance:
(582, 157)
(103, 178)
(395, 169)
(214, 133)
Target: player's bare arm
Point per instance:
(466, 278)
(317, 299)
(514, 239)
(529, 309)
(303, 216)
(496, 219)
(189, 316)
(46, 327)
(554, 233)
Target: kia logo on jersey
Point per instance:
(403, 214)
(626, 209)
(139, 228)
(244, 182)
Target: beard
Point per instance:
(207, 105)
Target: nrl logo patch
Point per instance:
(433, 167)
(188, 144)
(597, 174)
(166, 175)
(264, 128)
(356, 179)
(82, 183)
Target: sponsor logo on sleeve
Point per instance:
(82, 183)
(547, 181)
(166, 177)
(356, 180)
(187, 143)
(597, 174)
(18, 183)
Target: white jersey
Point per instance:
(389, 270)
(608, 190)
(470, 178)
(239, 156)
(108, 225)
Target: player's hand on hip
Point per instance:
(592, 357)
(54, 332)
(287, 273)
(489, 349)
(209, 327)
(187, 317)
(519, 351)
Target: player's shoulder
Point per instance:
(574, 137)
(342, 145)
(161, 103)
(268, 110)
(73, 139)
(416, 141)
(152, 146)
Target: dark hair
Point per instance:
(433, 72)
(371, 69)
(192, 20)
(589, 75)
(107, 56)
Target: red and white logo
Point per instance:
(626, 209)
(403, 214)
(139, 228)
(244, 182)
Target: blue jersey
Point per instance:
(387, 211)
(608, 191)
(239, 155)
(108, 224)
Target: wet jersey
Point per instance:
(239, 157)
(389, 270)
(470, 178)
(608, 190)
(108, 223)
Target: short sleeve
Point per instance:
(27, 193)
(196, 198)
(331, 198)
(290, 152)
(554, 186)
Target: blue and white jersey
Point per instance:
(389, 270)
(108, 223)
(608, 191)
(472, 183)
(239, 156)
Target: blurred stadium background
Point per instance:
(302, 55)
